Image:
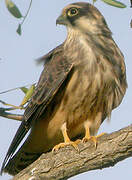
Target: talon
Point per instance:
(67, 140)
(58, 146)
(75, 144)
(93, 138)
(89, 137)
(100, 135)
(62, 145)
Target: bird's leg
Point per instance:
(67, 140)
(88, 136)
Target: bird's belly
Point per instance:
(73, 110)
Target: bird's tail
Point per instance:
(20, 161)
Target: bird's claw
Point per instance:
(69, 143)
(92, 138)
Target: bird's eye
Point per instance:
(72, 12)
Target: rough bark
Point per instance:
(67, 162)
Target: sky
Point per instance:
(39, 35)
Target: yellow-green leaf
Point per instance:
(115, 3)
(13, 9)
(94, 1)
(19, 29)
(24, 89)
(28, 95)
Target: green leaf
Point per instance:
(94, 1)
(19, 29)
(115, 3)
(13, 9)
(24, 89)
(28, 95)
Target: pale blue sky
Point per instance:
(40, 34)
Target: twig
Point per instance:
(26, 13)
(17, 117)
(16, 88)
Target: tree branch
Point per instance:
(67, 162)
(5, 114)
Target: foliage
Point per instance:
(14, 10)
(28, 94)
(115, 3)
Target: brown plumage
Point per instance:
(83, 80)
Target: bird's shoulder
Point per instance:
(47, 57)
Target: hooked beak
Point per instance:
(61, 20)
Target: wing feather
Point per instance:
(55, 72)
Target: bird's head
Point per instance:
(82, 16)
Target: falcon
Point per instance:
(83, 80)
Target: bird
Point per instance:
(83, 80)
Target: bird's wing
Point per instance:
(55, 72)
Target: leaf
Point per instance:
(115, 3)
(28, 95)
(13, 9)
(24, 89)
(19, 29)
(94, 1)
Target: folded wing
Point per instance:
(54, 74)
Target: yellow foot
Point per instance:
(93, 138)
(71, 143)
